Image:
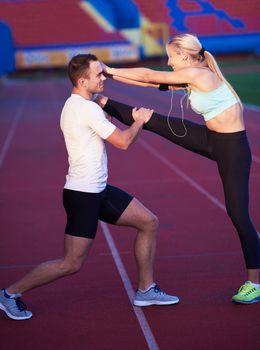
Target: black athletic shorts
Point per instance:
(84, 209)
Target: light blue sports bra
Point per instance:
(212, 103)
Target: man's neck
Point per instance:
(83, 93)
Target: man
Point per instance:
(88, 198)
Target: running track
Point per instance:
(198, 254)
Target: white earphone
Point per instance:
(182, 116)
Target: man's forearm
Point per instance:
(132, 132)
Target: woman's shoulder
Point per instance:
(204, 79)
(198, 72)
(203, 71)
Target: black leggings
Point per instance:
(232, 154)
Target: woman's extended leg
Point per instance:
(195, 139)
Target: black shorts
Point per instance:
(84, 209)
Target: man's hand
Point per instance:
(143, 114)
(124, 138)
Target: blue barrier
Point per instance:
(120, 14)
(232, 43)
(7, 56)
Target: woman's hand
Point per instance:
(105, 68)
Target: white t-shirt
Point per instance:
(84, 126)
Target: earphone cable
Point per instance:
(182, 116)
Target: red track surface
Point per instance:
(198, 256)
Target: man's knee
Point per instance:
(71, 267)
(155, 222)
(151, 222)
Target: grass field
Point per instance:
(244, 75)
(247, 85)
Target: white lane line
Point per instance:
(159, 257)
(185, 177)
(7, 267)
(11, 132)
(151, 342)
(256, 159)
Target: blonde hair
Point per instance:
(191, 45)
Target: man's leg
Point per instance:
(146, 223)
(120, 208)
(138, 216)
(76, 250)
(75, 253)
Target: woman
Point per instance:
(223, 137)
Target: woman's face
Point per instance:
(175, 57)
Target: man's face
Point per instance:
(95, 80)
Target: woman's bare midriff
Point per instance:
(231, 120)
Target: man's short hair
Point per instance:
(78, 67)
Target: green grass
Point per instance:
(232, 62)
(247, 86)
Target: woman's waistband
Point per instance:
(227, 135)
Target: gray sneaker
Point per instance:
(154, 296)
(13, 306)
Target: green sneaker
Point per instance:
(247, 294)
